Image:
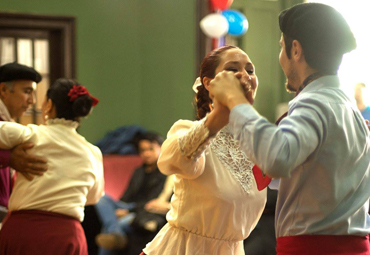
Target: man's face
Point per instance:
(291, 84)
(18, 99)
(149, 151)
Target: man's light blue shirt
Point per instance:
(321, 152)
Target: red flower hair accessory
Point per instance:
(77, 91)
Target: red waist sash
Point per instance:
(33, 232)
(323, 245)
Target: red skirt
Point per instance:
(323, 245)
(33, 232)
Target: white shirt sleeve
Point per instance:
(12, 134)
(183, 151)
(277, 150)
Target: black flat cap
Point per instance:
(14, 71)
(318, 25)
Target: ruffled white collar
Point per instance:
(69, 123)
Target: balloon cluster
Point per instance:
(224, 21)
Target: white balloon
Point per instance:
(214, 25)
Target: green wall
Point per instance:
(261, 43)
(168, 31)
(136, 56)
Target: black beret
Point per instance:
(14, 71)
(318, 26)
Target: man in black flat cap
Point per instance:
(17, 84)
(320, 150)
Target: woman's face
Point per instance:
(235, 60)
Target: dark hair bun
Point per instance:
(65, 108)
(81, 107)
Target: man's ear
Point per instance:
(297, 51)
(206, 82)
(3, 90)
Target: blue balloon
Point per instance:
(238, 23)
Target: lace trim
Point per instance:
(228, 151)
(195, 141)
(69, 123)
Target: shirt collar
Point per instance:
(62, 121)
(328, 81)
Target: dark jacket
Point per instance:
(120, 140)
(141, 189)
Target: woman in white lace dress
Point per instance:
(216, 203)
(45, 213)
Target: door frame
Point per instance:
(62, 34)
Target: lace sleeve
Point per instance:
(193, 143)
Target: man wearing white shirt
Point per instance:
(321, 150)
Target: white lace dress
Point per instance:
(216, 203)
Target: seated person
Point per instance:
(146, 184)
(360, 89)
(150, 219)
(161, 204)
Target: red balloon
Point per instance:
(221, 4)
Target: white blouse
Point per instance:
(75, 169)
(216, 203)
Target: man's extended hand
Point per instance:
(27, 164)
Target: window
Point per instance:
(32, 51)
(43, 42)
